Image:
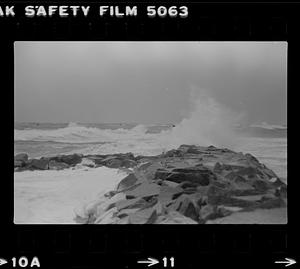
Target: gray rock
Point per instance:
(71, 159)
(23, 157)
(168, 194)
(39, 164)
(127, 182)
(144, 190)
(198, 175)
(54, 165)
(145, 216)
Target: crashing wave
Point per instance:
(267, 126)
(75, 133)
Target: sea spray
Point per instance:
(208, 123)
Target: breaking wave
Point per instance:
(75, 133)
(208, 123)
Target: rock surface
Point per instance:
(191, 184)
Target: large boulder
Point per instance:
(173, 153)
(186, 206)
(39, 164)
(131, 203)
(268, 202)
(144, 216)
(144, 190)
(87, 162)
(168, 194)
(114, 163)
(127, 182)
(20, 160)
(18, 163)
(108, 217)
(241, 188)
(261, 185)
(199, 175)
(72, 159)
(23, 157)
(128, 163)
(54, 165)
(208, 212)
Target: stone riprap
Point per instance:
(189, 185)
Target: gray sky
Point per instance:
(147, 82)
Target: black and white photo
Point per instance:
(150, 132)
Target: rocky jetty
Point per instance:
(189, 185)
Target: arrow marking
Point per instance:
(150, 261)
(287, 262)
(3, 261)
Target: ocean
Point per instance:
(51, 196)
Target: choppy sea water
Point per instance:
(51, 196)
(37, 140)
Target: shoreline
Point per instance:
(191, 184)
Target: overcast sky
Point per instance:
(147, 82)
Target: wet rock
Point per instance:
(241, 188)
(161, 173)
(261, 185)
(110, 194)
(127, 156)
(168, 194)
(20, 160)
(126, 212)
(87, 162)
(144, 190)
(198, 199)
(127, 182)
(218, 168)
(233, 176)
(72, 159)
(217, 194)
(108, 217)
(208, 212)
(278, 183)
(125, 160)
(129, 163)
(185, 205)
(95, 158)
(123, 220)
(188, 184)
(170, 183)
(114, 163)
(39, 164)
(270, 202)
(18, 163)
(250, 172)
(251, 159)
(223, 211)
(174, 217)
(173, 153)
(282, 191)
(54, 165)
(199, 175)
(145, 216)
(23, 157)
(130, 203)
(151, 170)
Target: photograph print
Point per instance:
(150, 132)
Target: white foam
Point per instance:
(267, 126)
(51, 196)
(75, 133)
